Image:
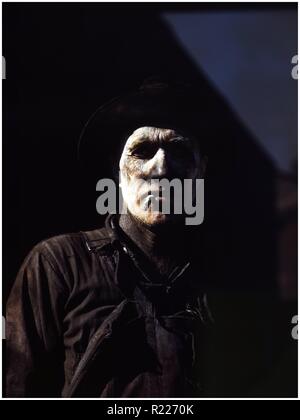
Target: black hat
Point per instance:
(157, 103)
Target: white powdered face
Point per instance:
(149, 156)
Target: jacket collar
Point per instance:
(186, 279)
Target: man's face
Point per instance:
(154, 154)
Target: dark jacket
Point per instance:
(85, 319)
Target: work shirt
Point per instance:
(85, 319)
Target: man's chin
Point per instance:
(157, 219)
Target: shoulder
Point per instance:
(63, 254)
(70, 245)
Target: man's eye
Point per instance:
(145, 151)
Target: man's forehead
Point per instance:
(154, 134)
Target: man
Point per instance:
(122, 311)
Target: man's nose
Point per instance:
(158, 166)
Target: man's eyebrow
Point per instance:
(139, 142)
(144, 139)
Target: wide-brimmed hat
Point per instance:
(157, 103)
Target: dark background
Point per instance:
(63, 61)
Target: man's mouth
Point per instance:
(154, 198)
(155, 193)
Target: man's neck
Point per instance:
(165, 246)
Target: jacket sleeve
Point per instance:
(34, 319)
